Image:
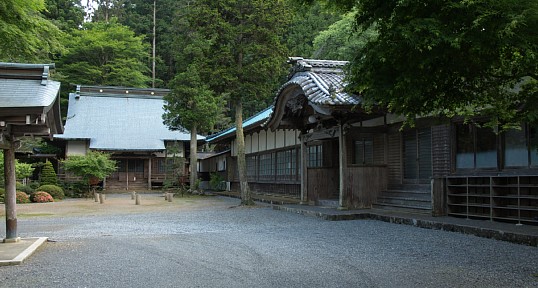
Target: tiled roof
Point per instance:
(321, 80)
(259, 118)
(119, 119)
(27, 85)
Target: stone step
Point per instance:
(411, 187)
(407, 194)
(328, 203)
(403, 208)
(405, 201)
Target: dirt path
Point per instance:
(115, 204)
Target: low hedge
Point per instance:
(55, 191)
(22, 198)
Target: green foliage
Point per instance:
(215, 181)
(306, 23)
(66, 14)
(104, 54)
(22, 170)
(21, 187)
(450, 58)
(41, 197)
(55, 191)
(48, 175)
(22, 198)
(236, 47)
(93, 164)
(2, 194)
(25, 35)
(341, 40)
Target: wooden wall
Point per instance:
(394, 158)
(364, 184)
(322, 184)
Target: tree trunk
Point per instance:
(246, 197)
(193, 159)
(10, 199)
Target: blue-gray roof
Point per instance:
(253, 121)
(119, 122)
(27, 85)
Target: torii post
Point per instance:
(29, 106)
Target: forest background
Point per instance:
(110, 42)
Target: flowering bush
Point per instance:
(22, 197)
(55, 191)
(41, 197)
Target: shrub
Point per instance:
(55, 191)
(2, 192)
(48, 175)
(34, 185)
(24, 188)
(41, 197)
(22, 197)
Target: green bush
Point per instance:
(2, 192)
(22, 197)
(215, 181)
(41, 197)
(24, 188)
(34, 185)
(48, 175)
(55, 191)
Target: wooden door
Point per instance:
(417, 155)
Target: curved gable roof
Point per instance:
(320, 81)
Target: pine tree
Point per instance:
(48, 175)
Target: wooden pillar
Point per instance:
(149, 173)
(342, 201)
(304, 172)
(10, 193)
(127, 173)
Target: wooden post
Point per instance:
(341, 168)
(10, 192)
(149, 173)
(96, 196)
(137, 201)
(304, 171)
(101, 198)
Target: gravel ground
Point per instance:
(205, 243)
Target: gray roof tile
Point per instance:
(119, 122)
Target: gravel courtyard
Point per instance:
(209, 242)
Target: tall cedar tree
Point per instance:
(450, 58)
(191, 105)
(245, 56)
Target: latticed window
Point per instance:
(266, 164)
(364, 151)
(251, 167)
(286, 164)
(161, 165)
(315, 156)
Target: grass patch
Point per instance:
(28, 215)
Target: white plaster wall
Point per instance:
(76, 148)
(291, 137)
(263, 141)
(280, 140)
(248, 144)
(270, 139)
(254, 142)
